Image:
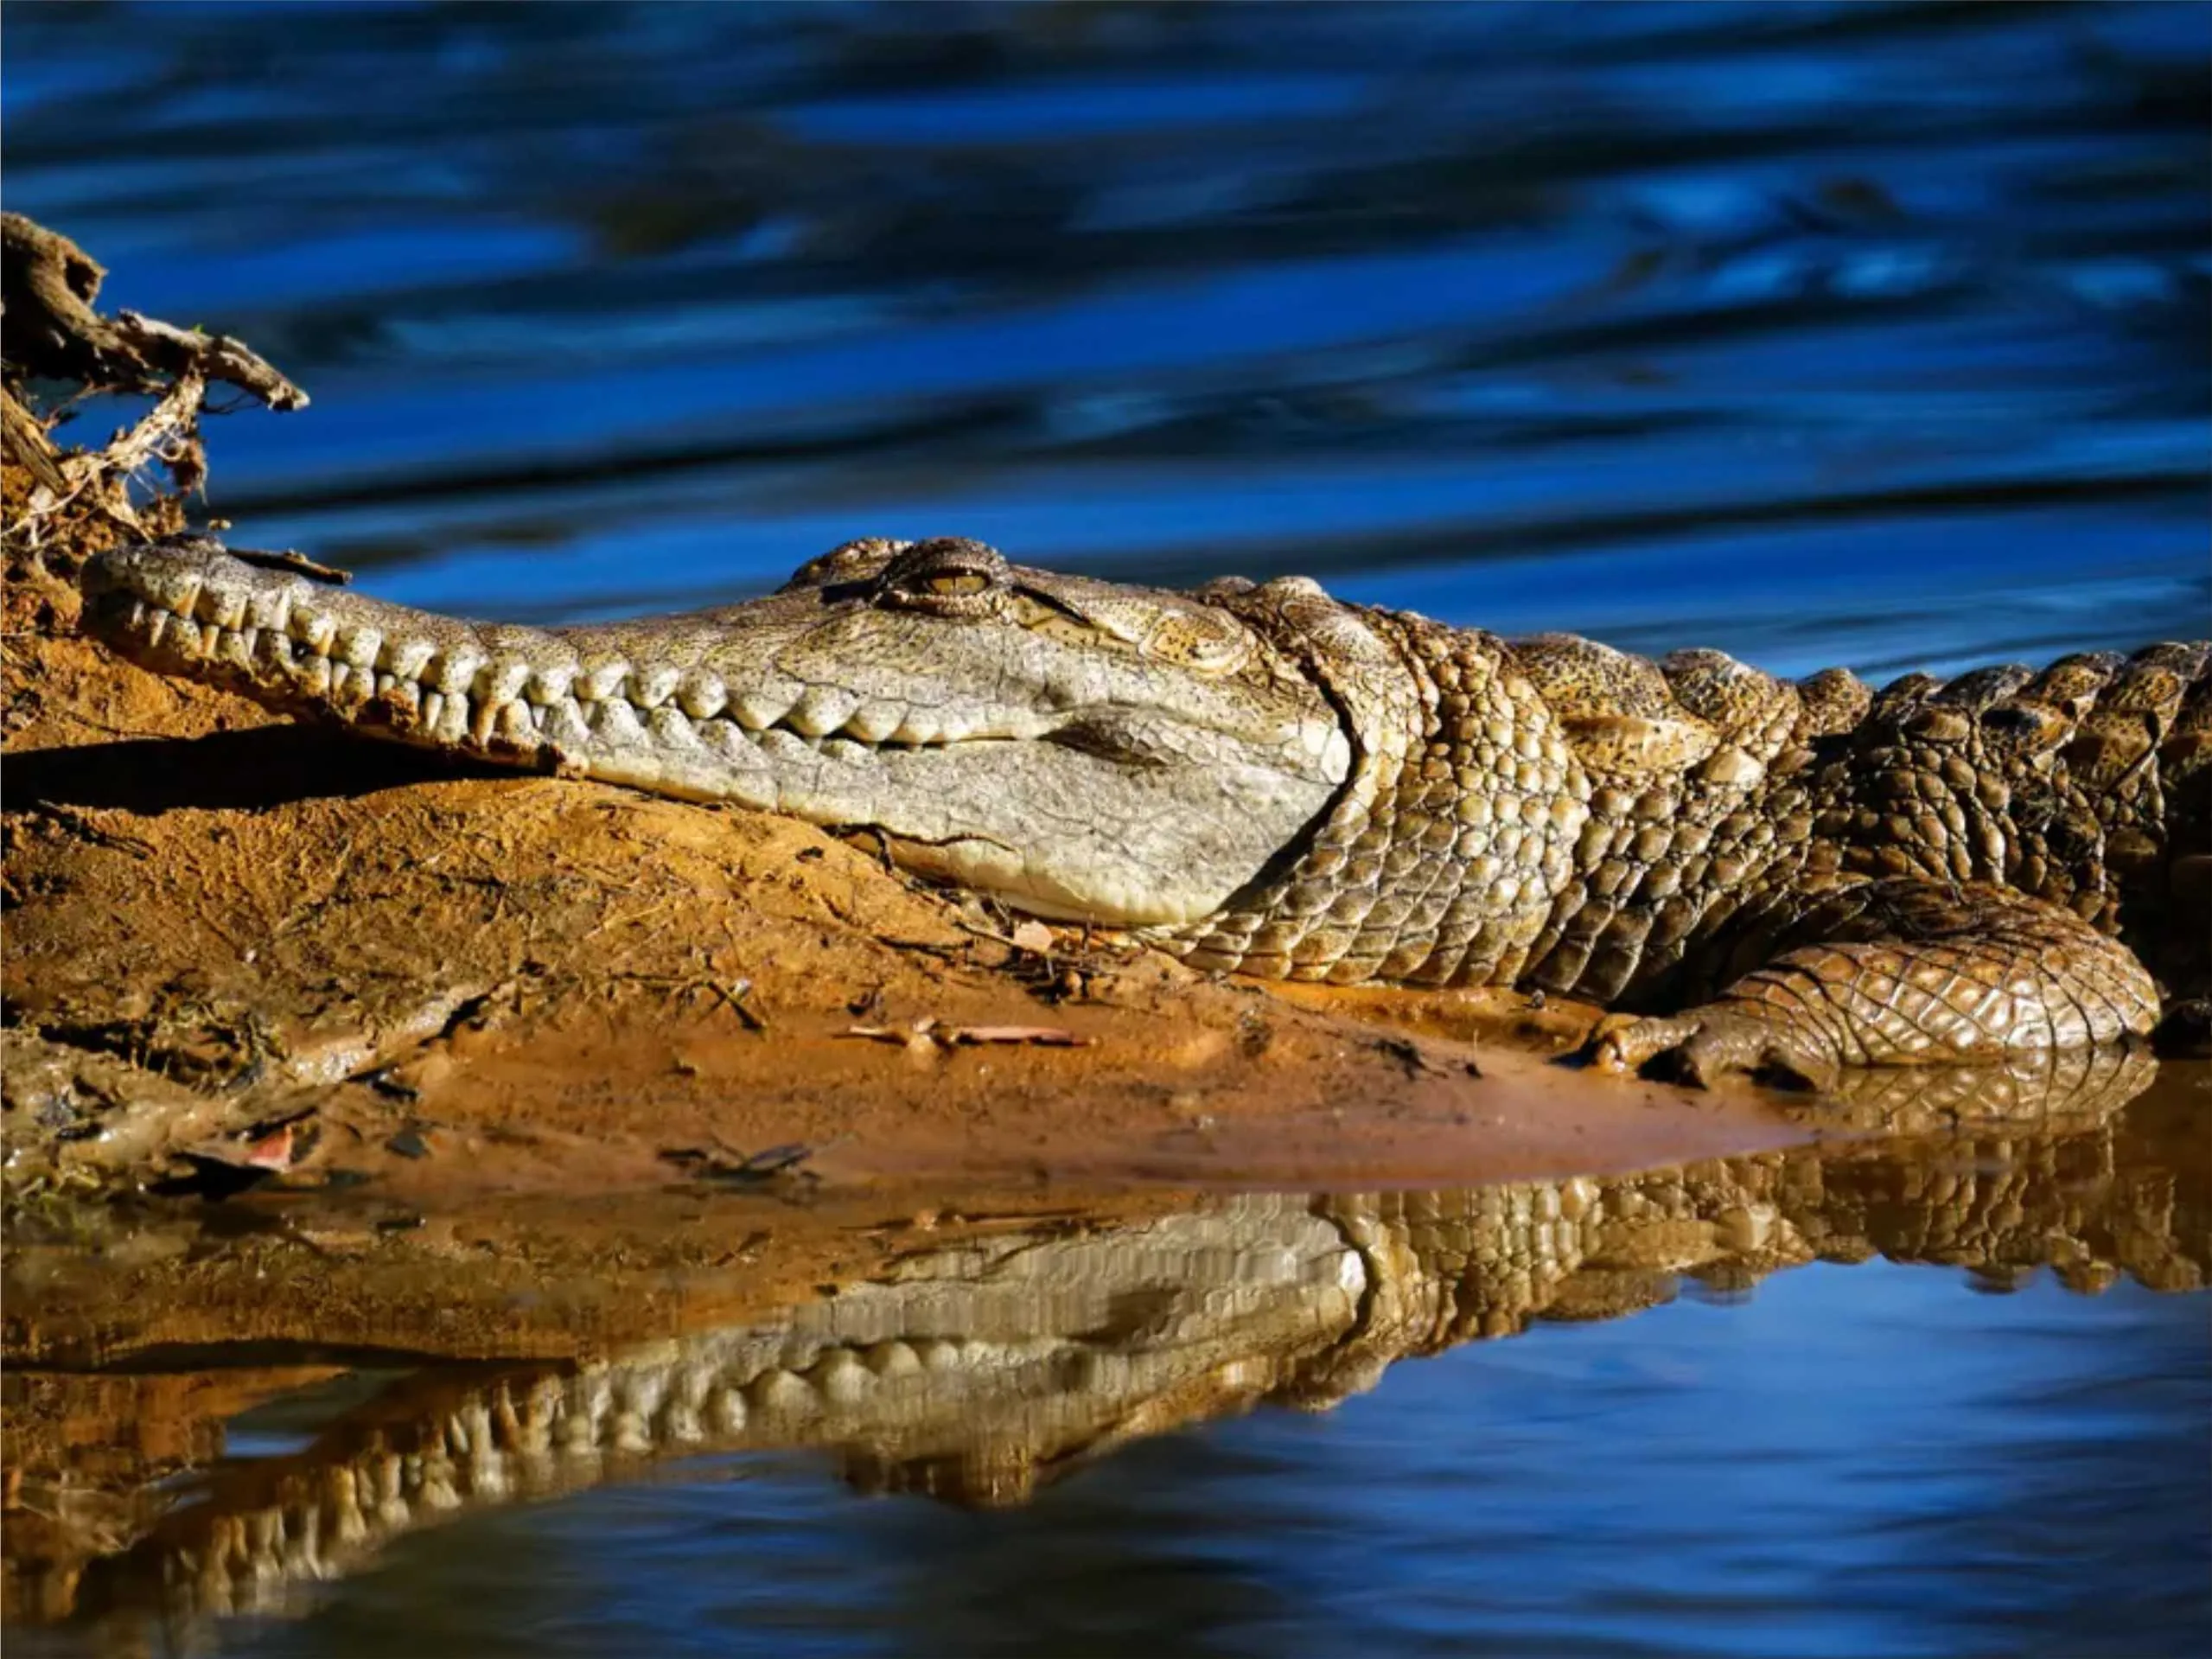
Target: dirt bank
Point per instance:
(243, 953)
(217, 923)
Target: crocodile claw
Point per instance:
(1705, 1044)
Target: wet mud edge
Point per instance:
(254, 943)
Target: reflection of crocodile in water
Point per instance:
(973, 1373)
(1265, 779)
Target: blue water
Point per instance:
(1807, 1475)
(1864, 334)
(1878, 334)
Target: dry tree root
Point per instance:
(47, 284)
(60, 506)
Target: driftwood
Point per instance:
(49, 285)
(54, 333)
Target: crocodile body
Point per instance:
(1264, 779)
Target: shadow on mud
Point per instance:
(248, 771)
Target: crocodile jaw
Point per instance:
(1074, 778)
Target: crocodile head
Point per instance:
(1080, 749)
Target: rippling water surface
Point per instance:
(1873, 335)
(1747, 1405)
(1869, 333)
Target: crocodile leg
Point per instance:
(1903, 971)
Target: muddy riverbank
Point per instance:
(246, 954)
(243, 953)
(250, 940)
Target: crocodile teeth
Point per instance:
(175, 592)
(702, 696)
(500, 682)
(270, 608)
(550, 683)
(452, 725)
(510, 721)
(781, 745)
(358, 646)
(670, 727)
(314, 630)
(845, 751)
(821, 710)
(759, 711)
(433, 707)
(233, 648)
(405, 658)
(565, 726)
(403, 695)
(454, 672)
(223, 609)
(351, 686)
(871, 722)
(616, 724)
(651, 687)
(602, 682)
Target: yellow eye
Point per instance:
(958, 582)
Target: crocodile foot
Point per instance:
(1708, 1043)
(1903, 973)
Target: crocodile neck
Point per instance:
(1447, 852)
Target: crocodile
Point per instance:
(1781, 878)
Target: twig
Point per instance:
(298, 563)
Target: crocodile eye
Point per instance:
(948, 577)
(956, 581)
